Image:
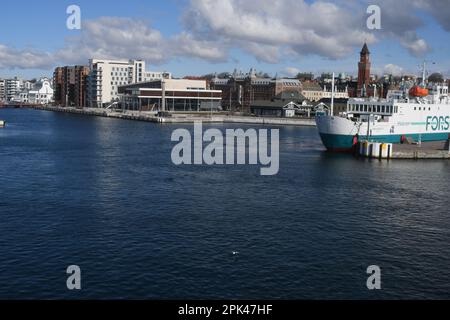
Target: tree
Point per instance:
(436, 78)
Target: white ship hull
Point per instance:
(411, 120)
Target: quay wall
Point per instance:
(181, 118)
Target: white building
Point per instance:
(107, 75)
(313, 92)
(27, 85)
(2, 90)
(12, 88)
(170, 95)
(40, 93)
(152, 75)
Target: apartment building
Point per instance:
(69, 84)
(106, 76)
(2, 90)
(12, 88)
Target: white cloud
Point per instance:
(116, 38)
(330, 30)
(124, 38)
(185, 44)
(24, 59)
(274, 26)
(291, 71)
(392, 69)
(113, 38)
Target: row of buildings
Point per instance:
(97, 85)
(126, 83)
(16, 90)
(265, 96)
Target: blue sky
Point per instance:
(202, 36)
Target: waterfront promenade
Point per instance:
(181, 117)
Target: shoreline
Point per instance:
(181, 117)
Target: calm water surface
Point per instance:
(103, 194)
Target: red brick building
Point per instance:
(364, 72)
(70, 86)
(240, 90)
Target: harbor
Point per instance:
(233, 158)
(431, 150)
(91, 187)
(416, 151)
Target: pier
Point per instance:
(436, 150)
(425, 150)
(179, 117)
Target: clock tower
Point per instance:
(364, 72)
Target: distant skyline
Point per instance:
(196, 37)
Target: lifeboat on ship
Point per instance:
(418, 91)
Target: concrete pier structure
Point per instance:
(425, 150)
(181, 117)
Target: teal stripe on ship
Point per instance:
(345, 142)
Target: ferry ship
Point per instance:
(420, 113)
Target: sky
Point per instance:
(197, 37)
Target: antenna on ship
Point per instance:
(424, 72)
(332, 95)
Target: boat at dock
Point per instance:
(2, 123)
(419, 113)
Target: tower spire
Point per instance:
(365, 49)
(364, 71)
